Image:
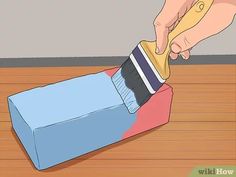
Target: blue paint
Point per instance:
(24, 132)
(69, 118)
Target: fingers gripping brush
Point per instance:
(144, 72)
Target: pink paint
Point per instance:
(154, 113)
(112, 71)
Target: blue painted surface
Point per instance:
(69, 99)
(24, 132)
(70, 118)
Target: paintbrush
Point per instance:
(144, 72)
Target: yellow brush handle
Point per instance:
(189, 20)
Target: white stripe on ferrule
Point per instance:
(150, 64)
(144, 78)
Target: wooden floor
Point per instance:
(201, 131)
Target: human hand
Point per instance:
(219, 17)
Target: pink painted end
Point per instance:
(112, 71)
(154, 113)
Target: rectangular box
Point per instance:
(61, 121)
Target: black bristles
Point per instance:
(129, 84)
